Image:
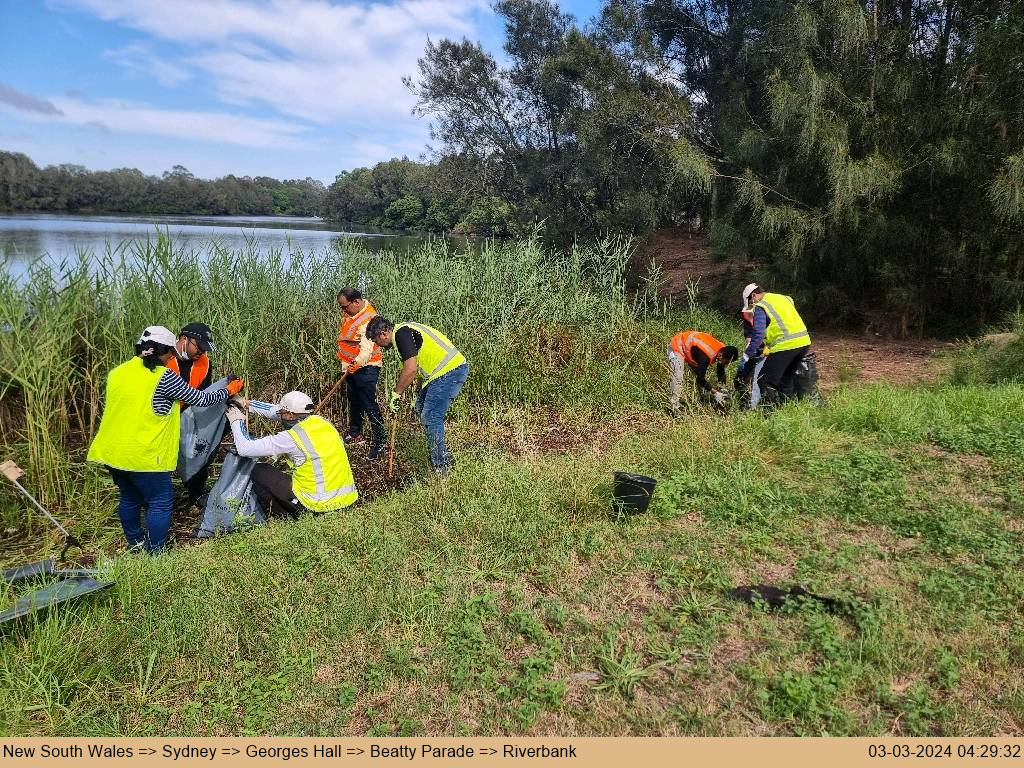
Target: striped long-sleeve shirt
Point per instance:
(172, 388)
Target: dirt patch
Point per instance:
(684, 258)
(858, 359)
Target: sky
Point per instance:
(282, 88)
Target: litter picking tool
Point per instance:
(391, 446)
(330, 393)
(12, 472)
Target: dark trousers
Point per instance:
(274, 490)
(196, 485)
(776, 380)
(362, 402)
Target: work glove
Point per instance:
(235, 385)
(241, 401)
(720, 397)
(234, 413)
(394, 401)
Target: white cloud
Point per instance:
(308, 58)
(221, 127)
(140, 58)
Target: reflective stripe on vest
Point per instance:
(131, 435)
(318, 487)
(438, 355)
(787, 329)
(349, 333)
(200, 367)
(684, 342)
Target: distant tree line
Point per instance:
(71, 188)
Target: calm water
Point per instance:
(56, 237)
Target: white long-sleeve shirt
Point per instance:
(273, 445)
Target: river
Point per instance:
(25, 237)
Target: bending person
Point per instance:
(322, 479)
(444, 371)
(784, 334)
(137, 439)
(698, 351)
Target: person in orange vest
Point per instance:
(192, 362)
(360, 358)
(697, 351)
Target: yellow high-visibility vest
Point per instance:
(787, 329)
(438, 355)
(132, 436)
(324, 480)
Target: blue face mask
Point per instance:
(182, 355)
(289, 422)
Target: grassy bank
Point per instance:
(508, 600)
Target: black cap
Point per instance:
(201, 333)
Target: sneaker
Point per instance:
(351, 439)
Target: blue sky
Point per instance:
(284, 88)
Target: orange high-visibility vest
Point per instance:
(685, 342)
(200, 367)
(351, 333)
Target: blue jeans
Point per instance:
(432, 404)
(151, 490)
(755, 385)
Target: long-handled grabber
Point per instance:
(12, 472)
(330, 392)
(391, 445)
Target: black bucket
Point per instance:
(632, 493)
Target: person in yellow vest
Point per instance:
(779, 327)
(192, 363)
(698, 351)
(360, 359)
(137, 439)
(322, 478)
(444, 371)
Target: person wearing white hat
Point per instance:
(322, 479)
(749, 369)
(137, 439)
(779, 327)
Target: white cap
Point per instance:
(751, 287)
(296, 402)
(159, 334)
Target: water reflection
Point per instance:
(59, 238)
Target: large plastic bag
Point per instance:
(201, 432)
(232, 504)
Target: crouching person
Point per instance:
(322, 478)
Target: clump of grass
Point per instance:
(993, 358)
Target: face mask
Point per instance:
(289, 422)
(182, 354)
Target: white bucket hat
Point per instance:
(159, 334)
